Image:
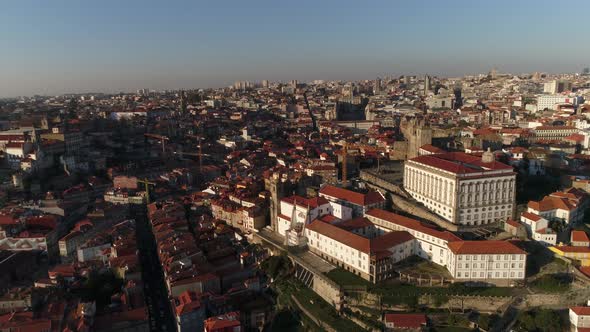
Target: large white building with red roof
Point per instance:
(357, 246)
(486, 260)
(465, 190)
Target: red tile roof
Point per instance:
(372, 197)
(531, 216)
(459, 163)
(549, 203)
(220, 323)
(581, 311)
(484, 247)
(412, 224)
(579, 236)
(407, 321)
(341, 235)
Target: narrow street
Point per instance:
(156, 295)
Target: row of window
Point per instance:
(483, 265)
(490, 257)
(490, 275)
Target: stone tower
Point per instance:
(278, 190)
(417, 133)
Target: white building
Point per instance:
(538, 229)
(358, 202)
(580, 319)
(565, 205)
(550, 102)
(371, 256)
(296, 211)
(431, 243)
(486, 260)
(463, 189)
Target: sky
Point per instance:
(77, 46)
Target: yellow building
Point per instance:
(581, 254)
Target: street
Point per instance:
(156, 295)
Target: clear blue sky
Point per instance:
(58, 46)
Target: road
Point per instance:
(156, 294)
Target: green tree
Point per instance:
(548, 321)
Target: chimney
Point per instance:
(488, 156)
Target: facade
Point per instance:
(431, 243)
(567, 206)
(553, 132)
(538, 229)
(358, 202)
(580, 319)
(296, 211)
(371, 256)
(579, 239)
(551, 101)
(580, 254)
(486, 260)
(465, 190)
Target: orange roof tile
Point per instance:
(484, 247)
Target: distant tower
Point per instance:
(458, 98)
(183, 101)
(427, 84)
(493, 73)
(377, 88)
(586, 71)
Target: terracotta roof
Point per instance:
(459, 163)
(531, 216)
(369, 246)
(579, 236)
(304, 202)
(484, 247)
(432, 148)
(412, 224)
(408, 321)
(220, 323)
(341, 235)
(372, 197)
(513, 222)
(581, 311)
(549, 203)
(573, 249)
(354, 223)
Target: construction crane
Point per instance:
(160, 138)
(200, 153)
(147, 185)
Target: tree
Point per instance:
(548, 321)
(527, 321)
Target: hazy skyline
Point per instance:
(55, 47)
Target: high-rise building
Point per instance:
(377, 87)
(265, 83)
(427, 84)
(557, 86)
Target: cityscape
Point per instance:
(426, 200)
